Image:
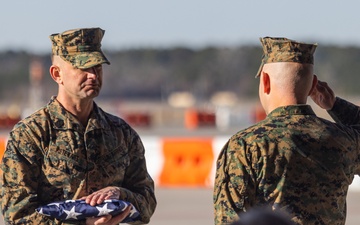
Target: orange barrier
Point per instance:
(195, 118)
(191, 119)
(2, 147)
(187, 161)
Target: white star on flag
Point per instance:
(103, 210)
(133, 210)
(126, 205)
(71, 214)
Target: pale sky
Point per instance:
(26, 24)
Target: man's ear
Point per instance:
(55, 74)
(266, 82)
(314, 83)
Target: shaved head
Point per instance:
(290, 77)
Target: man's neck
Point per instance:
(285, 100)
(80, 109)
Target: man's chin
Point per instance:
(92, 93)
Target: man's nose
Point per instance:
(92, 72)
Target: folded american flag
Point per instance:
(73, 210)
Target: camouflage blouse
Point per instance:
(345, 112)
(50, 153)
(293, 161)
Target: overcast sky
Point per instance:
(26, 24)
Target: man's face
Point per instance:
(81, 83)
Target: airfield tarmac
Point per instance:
(193, 206)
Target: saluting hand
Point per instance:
(323, 95)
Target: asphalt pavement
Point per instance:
(193, 206)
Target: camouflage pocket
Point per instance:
(61, 165)
(114, 164)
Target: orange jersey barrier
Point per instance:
(2, 147)
(187, 161)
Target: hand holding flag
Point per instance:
(73, 210)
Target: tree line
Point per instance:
(156, 73)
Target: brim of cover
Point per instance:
(260, 69)
(85, 60)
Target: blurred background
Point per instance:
(181, 73)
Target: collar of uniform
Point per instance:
(292, 110)
(61, 118)
(64, 120)
(97, 119)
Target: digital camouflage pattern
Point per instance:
(80, 47)
(285, 50)
(345, 112)
(293, 161)
(50, 153)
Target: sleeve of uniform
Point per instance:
(138, 186)
(231, 192)
(345, 112)
(20, 170)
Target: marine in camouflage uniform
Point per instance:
(292, 161)
(50, 153)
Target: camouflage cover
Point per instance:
(80, 47)
(285, 50)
